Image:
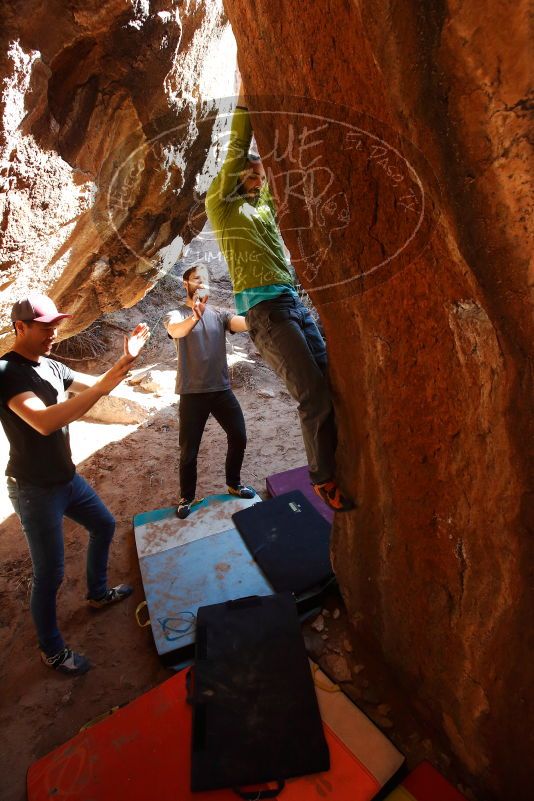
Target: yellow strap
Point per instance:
(400, 793)
(99, 718)
(147, 621)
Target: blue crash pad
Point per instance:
(161, 529)
(190, 563)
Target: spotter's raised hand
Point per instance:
(199, 306)
(136, 340)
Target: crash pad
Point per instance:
(377, 755)
(143, 752)
(298, 479)
(425, 783)
(255, 711)
(290, 541)
(178, 580)
(160, 530)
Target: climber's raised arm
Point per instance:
(229, 176)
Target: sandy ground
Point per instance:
(134, 469)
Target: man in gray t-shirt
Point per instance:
(199, 333)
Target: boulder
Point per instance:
(158, 382)
(395, 139)
(108, 115)
(117, 409)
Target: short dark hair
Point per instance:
(187, 272)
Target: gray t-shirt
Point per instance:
(202, 365)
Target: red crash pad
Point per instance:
(425, 783)
(142, 752)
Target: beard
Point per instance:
(253, 195)
(197, 294)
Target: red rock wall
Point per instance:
(417, 257)
(105, 128)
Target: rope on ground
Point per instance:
(174, 628)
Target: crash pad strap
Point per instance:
(258, 795)
(140, 606)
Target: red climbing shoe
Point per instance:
(333, 497)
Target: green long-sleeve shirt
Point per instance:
(247, 233)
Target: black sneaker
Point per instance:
(111, 596)
(241, 491)
(183, 508)
(67, 662)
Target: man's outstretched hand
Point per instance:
(117, 372)
(136, 340)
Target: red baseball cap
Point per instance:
(36, 307)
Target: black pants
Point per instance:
(194, 412)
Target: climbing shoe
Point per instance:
(111, 596)
(185, 507)
(67, 661)
(241, 491)
(333, 497)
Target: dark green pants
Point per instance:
(289, 341)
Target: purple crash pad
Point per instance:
(298, 478)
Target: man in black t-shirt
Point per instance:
(42, 481)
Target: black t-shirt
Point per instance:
(33, 457)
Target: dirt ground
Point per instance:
(134, 468)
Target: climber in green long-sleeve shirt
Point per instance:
(241, 211)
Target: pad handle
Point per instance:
(137, 613)
(258, 795)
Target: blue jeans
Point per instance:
(41, 511)
(289, 341)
